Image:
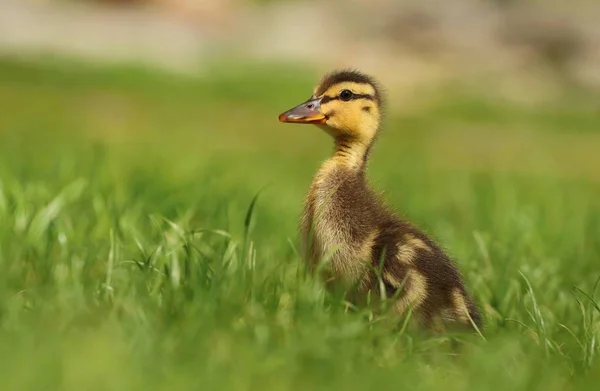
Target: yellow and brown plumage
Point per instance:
(345, 220)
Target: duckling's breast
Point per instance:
(337, 226)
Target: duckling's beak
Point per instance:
(308, 112)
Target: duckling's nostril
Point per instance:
(310, 106)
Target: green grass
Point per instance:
(128, 258)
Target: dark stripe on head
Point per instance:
(354, 97)
(353, 76)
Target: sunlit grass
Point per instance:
(129, 258)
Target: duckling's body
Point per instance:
(346, 222)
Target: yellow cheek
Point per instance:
(349, 118)
(353, 116)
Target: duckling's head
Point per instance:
(347, 104)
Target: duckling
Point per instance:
(345, 221)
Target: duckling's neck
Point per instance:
(351, 153)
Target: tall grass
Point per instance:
(148, 239)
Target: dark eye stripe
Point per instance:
(326, 98)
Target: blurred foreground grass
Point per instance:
(128, 259)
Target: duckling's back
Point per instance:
(427, 278)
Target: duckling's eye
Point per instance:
(346, 95)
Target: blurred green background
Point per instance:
(134, 254)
